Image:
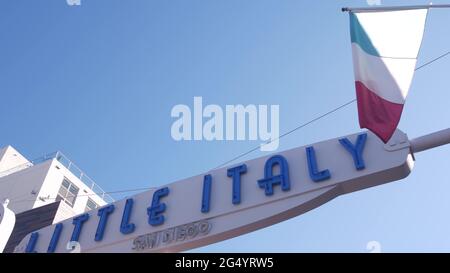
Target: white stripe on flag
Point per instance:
(388, 78)
(396, 34)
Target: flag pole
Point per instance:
(430, 141)
(393, 8)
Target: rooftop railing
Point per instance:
(66, 162)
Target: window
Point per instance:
(68, 192)
(90, 205)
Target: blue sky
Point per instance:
(98, 82)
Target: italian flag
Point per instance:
(385, 45)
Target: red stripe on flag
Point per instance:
(377, 114)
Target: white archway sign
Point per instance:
(231, 201)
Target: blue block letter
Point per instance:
(206, 196)
(78, 223)
(356, 150)
(314, 173)
(156, 209)
(125, 226)
(32, 242)
(55, 238)
(235, 173)
(103, 213)
(270, 180)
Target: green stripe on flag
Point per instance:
(360, 37)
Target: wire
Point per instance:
(288, 132)
(317, 118)
(432, 61)
(253, 149)
(79, 195)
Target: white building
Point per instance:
(52, 187)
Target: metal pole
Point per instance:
(430, 141)
(392, 8)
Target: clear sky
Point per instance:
(98, 82)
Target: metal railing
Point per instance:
(68, 164)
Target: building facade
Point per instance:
(42, 192)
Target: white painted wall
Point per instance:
(10, 158)
(56, 174)
(29, 186)
(64, 212)
(38, 185)
(19, 187)
(7, 221)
